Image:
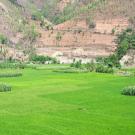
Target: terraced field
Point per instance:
(43, 102)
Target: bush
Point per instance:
(10, 75)
(76, 64)
(90, 67)
(31, 33)
(90, 23)
(58, 36)
(4, 65)
(129, 91)
(103, 69)
(5, 88)
(3, 39)
(112, 61)
(42, 59)
(125, 41)
(113, 31)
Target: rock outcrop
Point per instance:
(129, 59)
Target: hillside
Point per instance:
(15, 28)
(68, 29)
(86, 36)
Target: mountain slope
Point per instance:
(15, 27)
(68, 29)
(89, 34)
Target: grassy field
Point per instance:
(43, 102)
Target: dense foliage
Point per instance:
(5, 88)
(10, 75)
(16, 65)
(43, 59)
(90, 67)
(125, 41)
(130, 91)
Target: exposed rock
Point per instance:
(129, 59)
(3, 7)
(8, 52)
(57, 54)
(79, 52)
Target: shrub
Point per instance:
(76, 64)
(42, 59)
(10, 75)
(5, 88)
(125, 41)
(4, 65)
(3, 39)
(90, 66)
(14, 65)
(21, 66)
(113, 31)
(90, 23)
(58, 36)
(31, 33)
(103, 69)
(130, 91)
(111, 61)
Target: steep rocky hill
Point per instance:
(68, 29)
(17, 31)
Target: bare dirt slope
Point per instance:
(78, 41)
(73, 38)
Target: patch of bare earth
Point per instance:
(78, 41)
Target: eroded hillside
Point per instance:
(83, 38)
(67, 29)
(73, 39)
(17, 31)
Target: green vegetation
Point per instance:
(13, 1)
(3, 75)
(46, 25)
(74, 9)
(76, 64)
(54, 15)
(31, 33)
(58, 36)
(15, 65)
(5, 88)
(69, 12)
(3, 39)
(43, 59)
(103, 69)
(130, 91)
(92, 67)
(125, 41)
(47, 102)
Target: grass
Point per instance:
(43, 102)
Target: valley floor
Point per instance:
(44, 102)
